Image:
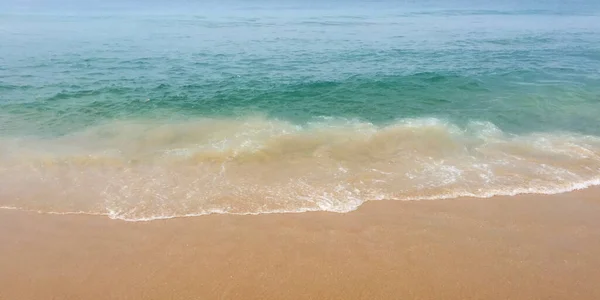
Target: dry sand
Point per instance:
(523, 247)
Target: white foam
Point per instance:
(344, 163)
(327, 205)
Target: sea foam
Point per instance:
(145, 170)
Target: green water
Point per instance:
(523, 70)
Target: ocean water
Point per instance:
(146, 110)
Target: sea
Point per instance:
(144, 110)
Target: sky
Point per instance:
(200, 6)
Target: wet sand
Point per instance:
(523, 247)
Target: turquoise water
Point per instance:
(151, 111)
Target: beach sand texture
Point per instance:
(522, 247)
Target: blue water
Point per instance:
(91, 90)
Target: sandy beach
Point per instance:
(522, 247)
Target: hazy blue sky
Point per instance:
(205, 6)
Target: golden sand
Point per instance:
(524, 247)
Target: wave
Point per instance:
(499, 97)
(149, 169)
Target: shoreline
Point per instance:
(517, 247)
(593, 184)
